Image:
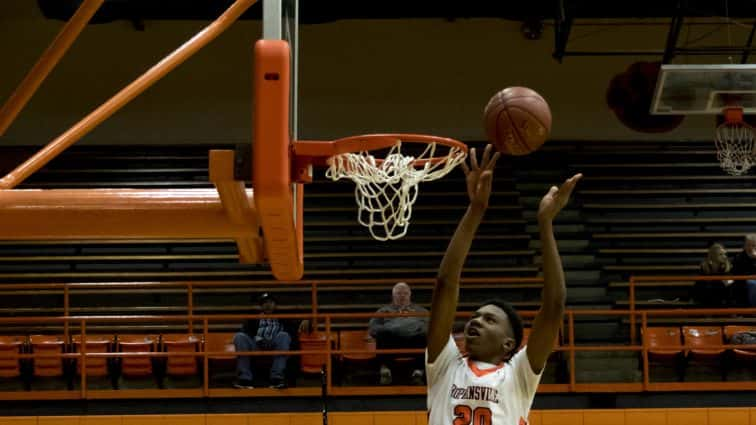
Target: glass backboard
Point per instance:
(281, 22)
(704, 89)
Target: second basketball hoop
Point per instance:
(735, 142)
(723, 90)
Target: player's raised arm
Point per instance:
(446, 291)
(549, 318)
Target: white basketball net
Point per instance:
(386, 190)
(735, 143)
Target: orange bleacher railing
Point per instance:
(570, 348)
(123, 97)
(191, 286)
(635, 279)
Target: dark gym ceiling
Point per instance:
(534, 14)
(319, 11)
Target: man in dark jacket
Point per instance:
(745, 264)
(265, 334)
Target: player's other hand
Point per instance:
(480, 176)
(556, 199)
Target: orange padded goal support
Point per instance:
(75, 214)
(122, 214)
(126, 95)
(239, 207)
(47, 62)
(275, 194)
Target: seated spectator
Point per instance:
(714, 293)
(743, 265)
(400, 332)
(265, 334)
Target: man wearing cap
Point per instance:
(265, 334)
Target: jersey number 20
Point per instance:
(465, 415)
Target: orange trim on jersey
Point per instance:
(482, 372)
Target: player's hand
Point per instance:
(480, 177)
(304, 327)
(556, 199)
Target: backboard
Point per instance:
(704, 89)
(724, 90)
(281, 22)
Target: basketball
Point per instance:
(517, 120)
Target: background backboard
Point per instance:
(704, 89)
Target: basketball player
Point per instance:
(494, 384)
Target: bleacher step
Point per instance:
(564, 245)
(582, 276)
(569, 214)
(570, 260)
(583, 292)
(607, 330)
(607, 366)
(559, 229)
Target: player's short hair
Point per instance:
(514, 319)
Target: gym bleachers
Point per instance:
(642, 209)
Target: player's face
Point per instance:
(488, 334)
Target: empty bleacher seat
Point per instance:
(136, 366)
(96, 366)
(703, 340)
(220, 341)
(178, 364)
(661, 342)
(313, 363)
(10, 348)
(47, 345)
(356, 340)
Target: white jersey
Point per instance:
(460, 393)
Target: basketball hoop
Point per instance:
(387, 188)
(735, 142)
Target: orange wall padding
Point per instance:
(704, 416)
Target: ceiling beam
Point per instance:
(674, 32)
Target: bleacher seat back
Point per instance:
(356, 340)
(181, 365)
(701, 339)
(313, 363)
(47, 345)
(136, 366)
(662, 340)
(96, 366)
(10, 347)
